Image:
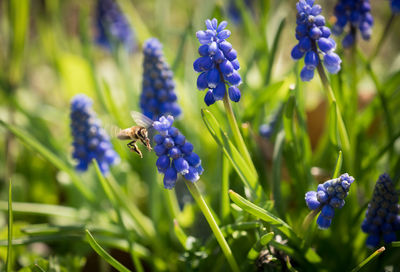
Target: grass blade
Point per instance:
(338, 166)
(104, 254)
(41, 209)
(246, 174)
(367, 260)
(273, 51)
(10, 229)
(31, 142)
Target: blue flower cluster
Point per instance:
(329, 195)
(357, 13)
(218, 63)
(382, 217)
(312, 34)
(113, 27)
(90, 139)
(395, 6)
(175, 154)
(158, 88)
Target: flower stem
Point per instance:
(236, 133)
(344, 138)
(194, 190)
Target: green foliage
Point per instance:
(248, 211)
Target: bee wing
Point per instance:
(112, 130)
(141, 119)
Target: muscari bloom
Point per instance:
(113, 27)
(218, 64)
(356, 13)
(329, 195)
(382, 218)
(90, 139)
(158, 88)
(395, 6)
(175, 153)
(313, 37)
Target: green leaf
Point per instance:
(338, 166)
(368, 259)
(248, 176)
(31, 142)
(263, 241)
(41, 209)
(18, 11)
(266, 216)
(10, 228)
(104, 254)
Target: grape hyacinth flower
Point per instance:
(113, 27)
(395, 6)
(90, 139)
(329, 195)
(313, 37)
(382, 218)
(356, 13)
(158, 87)
(175, 153)
(218, 64)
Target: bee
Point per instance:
(137, 133)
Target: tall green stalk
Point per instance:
(194, 190)
(237, 136)
(344, 138)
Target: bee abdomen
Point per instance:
(124, 134)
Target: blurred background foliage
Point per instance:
(48, 54)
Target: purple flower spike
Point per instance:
(382, 219)
(218, 63)
(329, 195)
(313, 37)
(175, 153)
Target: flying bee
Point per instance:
(137, 133)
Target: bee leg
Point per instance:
(146, 142)
(133, 147)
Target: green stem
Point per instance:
(10, 229)
(225, 205)
(236, 132)
(194, 190)
(344, 138)
(367, 260)
(382, 38)
(173, 205)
